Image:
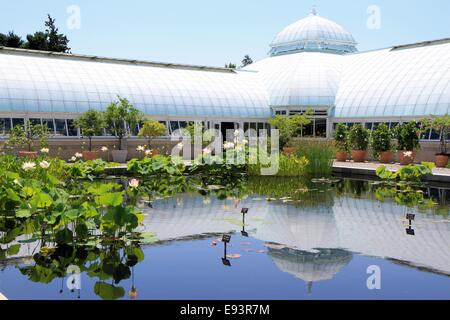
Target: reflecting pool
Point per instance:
(324, 239)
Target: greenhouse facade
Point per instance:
(312, 64)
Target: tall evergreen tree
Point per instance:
(57, 42)
(246, 61)
(37, 41)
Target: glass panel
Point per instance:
(369, 125)
(174, 125)
(5, 125)
(246, 126)
(183, 124)
(35, 121)
(49, 124)
(321, 128)
(308, 130)
(60, 127)
(17, 122)
(435, 135)
(73, 132)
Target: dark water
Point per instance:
(318, 246)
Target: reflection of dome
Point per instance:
(308, 266)
(313, 33)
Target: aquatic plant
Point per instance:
(320, 155)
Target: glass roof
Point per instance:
(413, 82)
(38, 83)
(313, 33)
(307, 79)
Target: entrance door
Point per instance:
(227, 126)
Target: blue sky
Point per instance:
(212, 32)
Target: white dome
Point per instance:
(306, 79)
(313, 33)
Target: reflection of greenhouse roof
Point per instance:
(33, 81)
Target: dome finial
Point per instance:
(314, 10)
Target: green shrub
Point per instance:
(341, 137)
(289, 166)
(359, 137)
(407, 135)
(381, 139)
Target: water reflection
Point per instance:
(312, 231)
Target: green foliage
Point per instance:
(358, 137)
(85, 170)
(120, 116)
(152, 129)
(442, 126)
(91, 123)
(11, 40)
(410, 173)
(48, 40)
(407, 135)
(156, 166)
(381, 139)
(288, 166)
(341, 137)
(25, 135)
(289, 126)
(246, 61)
(230, 65)
(320, 155)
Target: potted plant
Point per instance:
(91, 123)
(359, 142)
(381, 141)
(442, 126)
(24, 136)
(407, 135)
(150, 130)
(120, 117)
(341, 142)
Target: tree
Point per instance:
(57, 42)
(25, 135)
(37, 41)
(11, 40)
(91, 123)
(288, 126)
(230, 65)
(120, 116)
(152, 129)
(246, 61)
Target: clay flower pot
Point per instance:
(90, 155)
(288, 151)
(385, 157)
(28, 154)
(341, 156)
(359, 155)
(406, 157)
(441, 160)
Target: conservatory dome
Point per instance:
(313, 33)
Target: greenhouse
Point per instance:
(312, 63)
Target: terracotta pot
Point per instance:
(288, 151)
(385, 157)
(359, 155)
(28, 154)
(441, 160)
(341, 156)
(90, 155)
(155, 152)
(405, 159)
(119, 156)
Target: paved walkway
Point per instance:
(369, 168)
